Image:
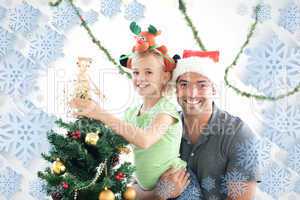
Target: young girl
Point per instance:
(154, 128)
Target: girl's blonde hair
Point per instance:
(168, 90)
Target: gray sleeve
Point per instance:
(243, 155)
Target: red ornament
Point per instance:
(120, 176)
(76, 134)
(65, 185)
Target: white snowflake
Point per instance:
(7, 40)
(23, 18)
(90, 17)
(10, 182)
(24, 135)
(297, 186)
(37, 189)
(208, 183)
(281, 124)
(234, 184)
(110, 8)
(17, 75)
(2, 13)
(64, 17)
(289, 17)
(134, 11)
(213, 198)
(253, 154)
(191, 192)
(273, 68)
(46, 46)
(294, 158)
(263, 13)
(276, 180)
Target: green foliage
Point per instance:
(82, 160)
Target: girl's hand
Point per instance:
(86, 108)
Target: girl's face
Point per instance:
(148, 75)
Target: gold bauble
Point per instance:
(58, 167)
(129, 194)
(91, 138)
(124, 150)
(106, 194)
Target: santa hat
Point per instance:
(202, 62)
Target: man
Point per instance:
(212, 143)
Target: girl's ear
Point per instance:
(167, 77)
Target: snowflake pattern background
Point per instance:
(293, 158)
(282, 124)
(10, 183)
(276, 181)
(208, 183)
(273, 68)
(38, 189)
(237, 182)
(6, 42)
(17, 75)
(264, 12)
(24, 136)
(134, 11)
(46, 46)
(2, 12)
(110, 8)
(23, 18)
(253, 154)
(289, 17)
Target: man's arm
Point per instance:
(171, 184)
(241, 190)
(243, 175)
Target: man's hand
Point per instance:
(172, 183)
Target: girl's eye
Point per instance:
(135, 73)
(148, 72)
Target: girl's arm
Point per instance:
(137, 136)
(143, 138)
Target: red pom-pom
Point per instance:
(65, 185)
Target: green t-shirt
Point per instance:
(151, 163)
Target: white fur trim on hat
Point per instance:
(204, 66)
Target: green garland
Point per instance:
(94, 39)
(182, 8)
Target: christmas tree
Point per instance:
(85, 161)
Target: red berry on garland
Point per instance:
(56, 196)
(119, 176)
(75, 134)
(65, 185)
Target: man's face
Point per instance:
(194, 93)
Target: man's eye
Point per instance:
(148, 72)
(183, 85)
(203, 85)
(135, 73)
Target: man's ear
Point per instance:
(214, 91)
